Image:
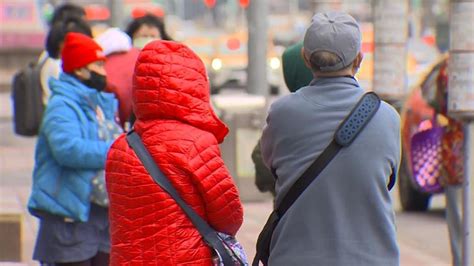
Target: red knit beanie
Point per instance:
(79, 51)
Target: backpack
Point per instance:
(27, 98)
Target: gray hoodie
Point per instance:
(345, 217)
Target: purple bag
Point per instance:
(234, 248)
(426, 158)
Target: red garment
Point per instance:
(179, 128)
(79, 51)
(120, 67)
(453, 137)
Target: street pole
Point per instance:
(461, 104)
(468, 188)
(116, 13)
(257, 47)
(390, 38)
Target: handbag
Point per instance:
(426, 158)
(347, 131)
(228, 252)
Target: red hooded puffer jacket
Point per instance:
(179, 128)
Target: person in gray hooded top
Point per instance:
(345, 216)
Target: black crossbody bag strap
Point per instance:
(348, 130)
(208, 234)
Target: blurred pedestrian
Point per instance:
(182, 133)
(120, 64)
(297, 75)
(295, 72)
(345, 216)
(65, 11)
(54, 45)
(145, 29)
(68, 193)
(66, 18)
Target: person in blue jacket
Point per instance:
(68, 193)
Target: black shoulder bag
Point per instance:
(212, 238)
(352, 125)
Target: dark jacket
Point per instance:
(297, 75)
(264, 179)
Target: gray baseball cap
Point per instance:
(334, 32)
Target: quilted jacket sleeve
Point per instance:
(211, 177)
(69, 148)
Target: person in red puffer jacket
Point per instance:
(179, 128)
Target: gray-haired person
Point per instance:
(345, 216)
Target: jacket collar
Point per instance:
(335, 92)
(349, 80)
(71, 88)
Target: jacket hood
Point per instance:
(114, 40)
(170, 82)
(295, 72)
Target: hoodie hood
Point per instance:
(295, 72)
(114, 40)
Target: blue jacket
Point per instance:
(69, 152)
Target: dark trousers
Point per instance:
(100, 259)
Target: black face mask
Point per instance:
(96, 81)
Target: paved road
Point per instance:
(422, 237)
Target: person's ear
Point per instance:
(306, 60)
(82, 73)
(359, 59)
(356, 63)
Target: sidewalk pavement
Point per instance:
(16, 162)
(5, 106)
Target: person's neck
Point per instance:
(335, 74)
